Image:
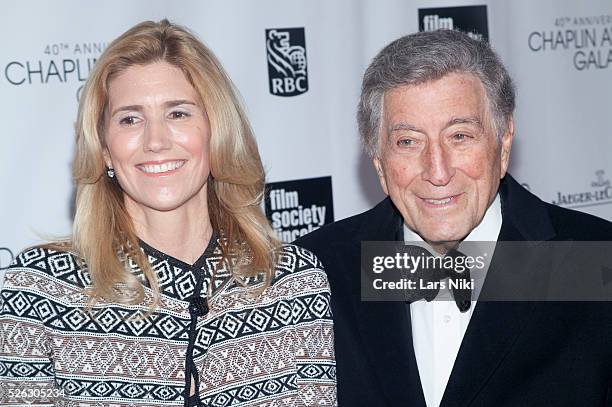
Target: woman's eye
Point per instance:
(128, 121)
(460, 137)
(179, 114)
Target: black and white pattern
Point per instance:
(255, 351)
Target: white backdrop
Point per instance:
(562, 152)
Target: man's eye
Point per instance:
(128, 121)
(177, 114)
(460, 137)
(405, 142)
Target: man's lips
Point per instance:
(441, 202)
(164, 167)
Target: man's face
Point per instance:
(440, 160)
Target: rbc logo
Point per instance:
(287, 68)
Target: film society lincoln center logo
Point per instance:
(287, 68)
(296, 208)
(470, 19)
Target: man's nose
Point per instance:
(438, 168)
(157, 136)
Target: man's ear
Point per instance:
(506, 146)
(381, 173)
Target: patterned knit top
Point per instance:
(275, 349)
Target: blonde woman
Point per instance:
(172, 290)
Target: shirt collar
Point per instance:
(485, 234)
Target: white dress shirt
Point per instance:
(438, 326)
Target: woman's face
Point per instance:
(157, 138)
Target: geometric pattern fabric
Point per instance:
(272, 350)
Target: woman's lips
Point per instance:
(158, 168)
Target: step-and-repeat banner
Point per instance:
(298, 66)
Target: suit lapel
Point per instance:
(492, 330)
(385, 327)
(495, 326)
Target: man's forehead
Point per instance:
(457, 78)
(458, 98)
(474, 120)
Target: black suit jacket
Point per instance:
(512, 354)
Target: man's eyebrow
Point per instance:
(139, 108)
(465, 120)
(403, 126)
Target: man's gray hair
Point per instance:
(426, 56)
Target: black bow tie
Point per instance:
(428, 277)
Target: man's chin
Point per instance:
(438, 238)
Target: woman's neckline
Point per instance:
(210, 247)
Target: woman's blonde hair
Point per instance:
(102, 226)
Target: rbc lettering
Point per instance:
(281, 86)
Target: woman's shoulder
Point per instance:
(55, 262)
(298, 264)
(295, 258)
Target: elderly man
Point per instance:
(436, 117)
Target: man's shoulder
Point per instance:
(575, 225)
(541, 220)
